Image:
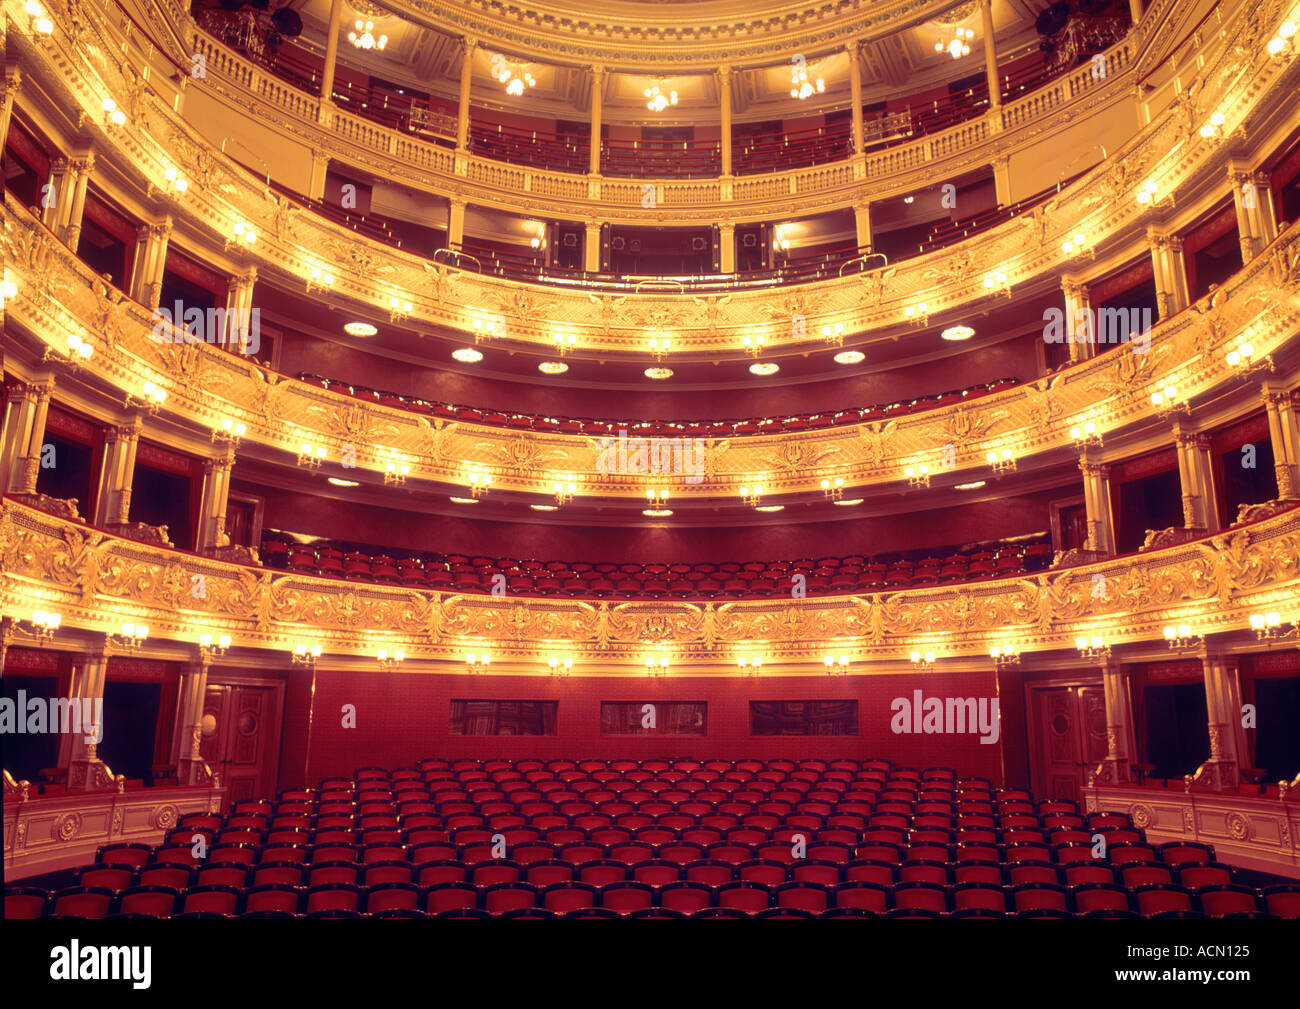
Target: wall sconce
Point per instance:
(918, 476)
(656, 667)
(37, 22)
(922, 661)
(564, 491)
(565, 343)
(1149, 195)
(659, 347)
(753, 345)
(480, 482)
(1002, 462)
(1213, 127)
(151, 399)
(657, 498)
(750, 667)
(129, 638)
(42, 625)
(833, 489)
(79, 350)
(1086, 435)
(1280, 45)
(305, 655)
(175, 179)
(395, 473)
(1242, 357)
(918, 314)
(477, 663)
(389, 660)
(8, 288)
(560, 666)
(997, 283)
(311, 457)
(229, 431)
(398, 310)
(1077, 245)
(488, 327)
(241, 234)
(753, 496)
(319, 280)
(113, 116)
(1092, 648)
(1181, 638)
(836, 664)
(1166, 402)
(1268, 627)
(834, 335)
(1007, 655)
(213, 648)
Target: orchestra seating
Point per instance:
(696, 580)
(659, 839)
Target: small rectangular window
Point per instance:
(803, 718)
(503, 718)
(654, 718)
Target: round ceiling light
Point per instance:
(659, 373)
(544, 508)
(846, 502)
(770, 508)
(463, 500)
(656, 513)
(850, 357)
(957, 333)
(360, 329)
(764, 368)
(976, 485)
(340, 482)
(467, 355)
(552, 367)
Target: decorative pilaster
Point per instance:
(1284, 435)
(190, 768)
(24, 435)
(150, 262)
(1170, 273)
(1222, 771)
(113, 506)
(81, 169)
(862, 225)
(467, 47)
(9, 88)
(591, 248)
(239, 309)
(1097, 504)
(1195, 478)
(724, 110)
(990, 54)
(1078, 319)
(727, 248)
(1116, 769)
(597, 96)
(1243, 197)
(86, 772)
(854, 49)
(455, 224)
(215, 499)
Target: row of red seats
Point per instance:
(703, 580)
(660, 428)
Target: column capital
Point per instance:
(1074, 288)
(221, 460)
(1274, 398)
(468, 43)
(1155, 238)
(1175, 243)
(11, 83)
(724, 71)
(598, 71)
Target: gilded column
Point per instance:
(862, 225)
(1116, 769)
(190, 769)
(1078, 319)
(56, 201)
(86, 772)
(1284, 436)
(150, 262)
(1097, 504)
(990, 54)
(854, 49)
(467, 47)
(24, 434)
(727, 248)
(455, 224)
(1135, 10)
(1262, 209)
(240, 334)
(724, 108)
(1222, 771)
(597, 95)
(8, 91)
(1193, 476)
(215, 499)
(331, 52)
(591, 248)
(1243, 197)
(81, 168)
(1169, 272)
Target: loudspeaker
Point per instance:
(698, 244)
(618, 243)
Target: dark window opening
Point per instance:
(654, 718)
(1177, 728)
(503, 718)
(803, 718)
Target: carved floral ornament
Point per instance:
(205, 384)
(1089, 203)
(91, 577)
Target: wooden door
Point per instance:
(1069, 724)
(241, 736)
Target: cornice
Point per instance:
(94, 579)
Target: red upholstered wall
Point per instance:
(401, 718)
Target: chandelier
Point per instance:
(363, 36)
(658, 101)
(514, 80)
(960, 44)
(800, 86)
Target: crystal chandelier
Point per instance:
(960, 44)
(657, 100)
(800, 86)
(363, 36)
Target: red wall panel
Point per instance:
(401, 718)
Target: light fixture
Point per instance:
(8, 288)
(836, 663)
(552, 367)
(659, 374)
(560, 666)
(918, 475)
(1086, 435)
(399, 310)
(997, 282)
(960, 44)
(850, 357)
(514, 80)
(779, 240)
(151, 398)
(1243, 358)
(467, 355)
(311, 456)
(833, 489)
(229, 431)
(319, 279)
(395, 473)
(956, 334)
(363, 36)
(753, 345)
(79, 349)
(848, 502)
(1094, 647)
(480, 482)
(43, 624)
(1146, 194)
(176, 180)
(659, 347)
(241, 234)
(769, 508)
(656, 666)
(485, 328)
(1007, 655)
(918, 314)
(303, 654)
(909, 200)
(1076, 245)
(475, 663)
(463, 500)
(565, 342)
(1166, 401)
(764, 368)
(564, 489)
(390, 660)
(834, 334)
(340, 482)
(113, 116)
(1213, 127)
(1002, 462)
(1282, 43)
(752, 496)
(1180, 637)
(656, 497)
(657, 513)
(544, 507)
(800, 86)
(922, 661)
(973, 485)
(1268, 627)
(37, 21)
(750, 666)
(213, 647)
(360, 329)
(658, 99)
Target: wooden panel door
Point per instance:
(1070, 731)
(241, 736)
